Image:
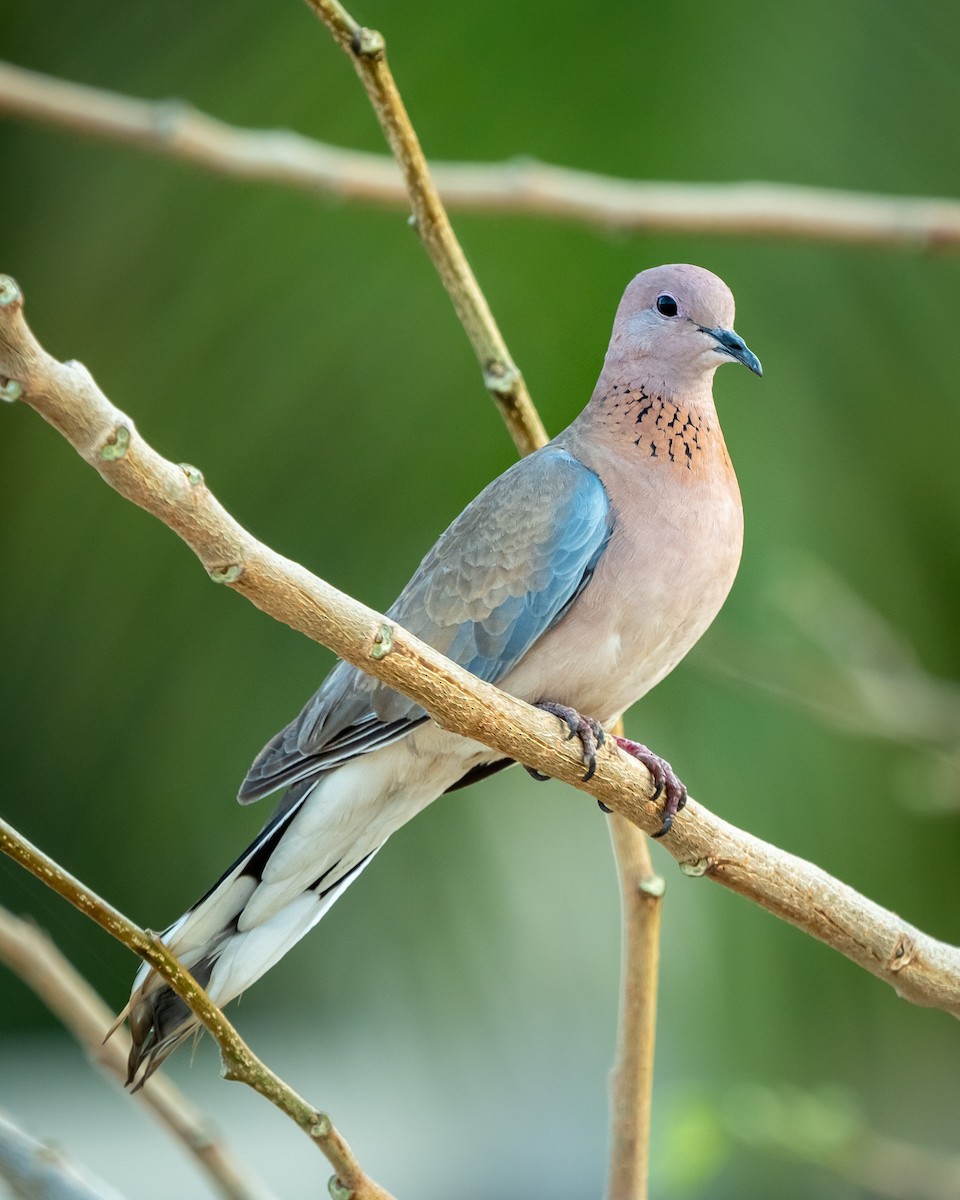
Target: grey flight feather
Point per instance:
(502, 574)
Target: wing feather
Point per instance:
(502, 574)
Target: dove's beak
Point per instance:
(733, 345)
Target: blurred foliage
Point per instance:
(821, 1131)
(304, 355)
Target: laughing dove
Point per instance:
(576, 580)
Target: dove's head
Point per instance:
(674, 327)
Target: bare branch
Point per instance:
(239, 1061)
(31, 955)
(919, 968)
(764, 210)
(36, 1171)
(631, 1080)
(501, 375)
(855, 671)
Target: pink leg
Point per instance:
(589, 732)
(667, 783)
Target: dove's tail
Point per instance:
(317, 843)
(321, 837)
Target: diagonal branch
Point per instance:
(239, 1061)
(920, 968)
(501, 375)
(35, 1170)
(825, 1129)
(524, 186)
(31, 955)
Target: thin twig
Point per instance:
(854, 670)
(36, 1171)
(631, 1079)
(524, 186)
(239, 1061)
(895, 1169)
(823, 1127)
(501, 375)
(31, 955)
(918, 967)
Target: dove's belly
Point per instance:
(656, 590)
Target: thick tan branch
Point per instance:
(31, 955)
(239, 1061)
(920, 968)
(768, 210)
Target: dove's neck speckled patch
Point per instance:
(684, 434)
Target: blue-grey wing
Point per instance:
(501, 575)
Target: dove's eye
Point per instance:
(666, 306)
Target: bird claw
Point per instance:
(590, 732)
(666, 783)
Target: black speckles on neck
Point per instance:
(622, 397)
(647, 424)
(666, 430)
(661, 429)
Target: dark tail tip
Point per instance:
(159, 1021)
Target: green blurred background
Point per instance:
(456, 1011)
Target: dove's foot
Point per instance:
(589, 732)
(664, 777)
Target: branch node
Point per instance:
(368, 43)
(903, 954)
(167, 115)
(116, 445)
(337, 1190)
(194, 474)
(228, 574)
(500, 378)
(77, 367)
(382, 642)
(698, 869)
(653, 885)
(10, 294)
(10, 389)
(321, 1127)
(234, 1065)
